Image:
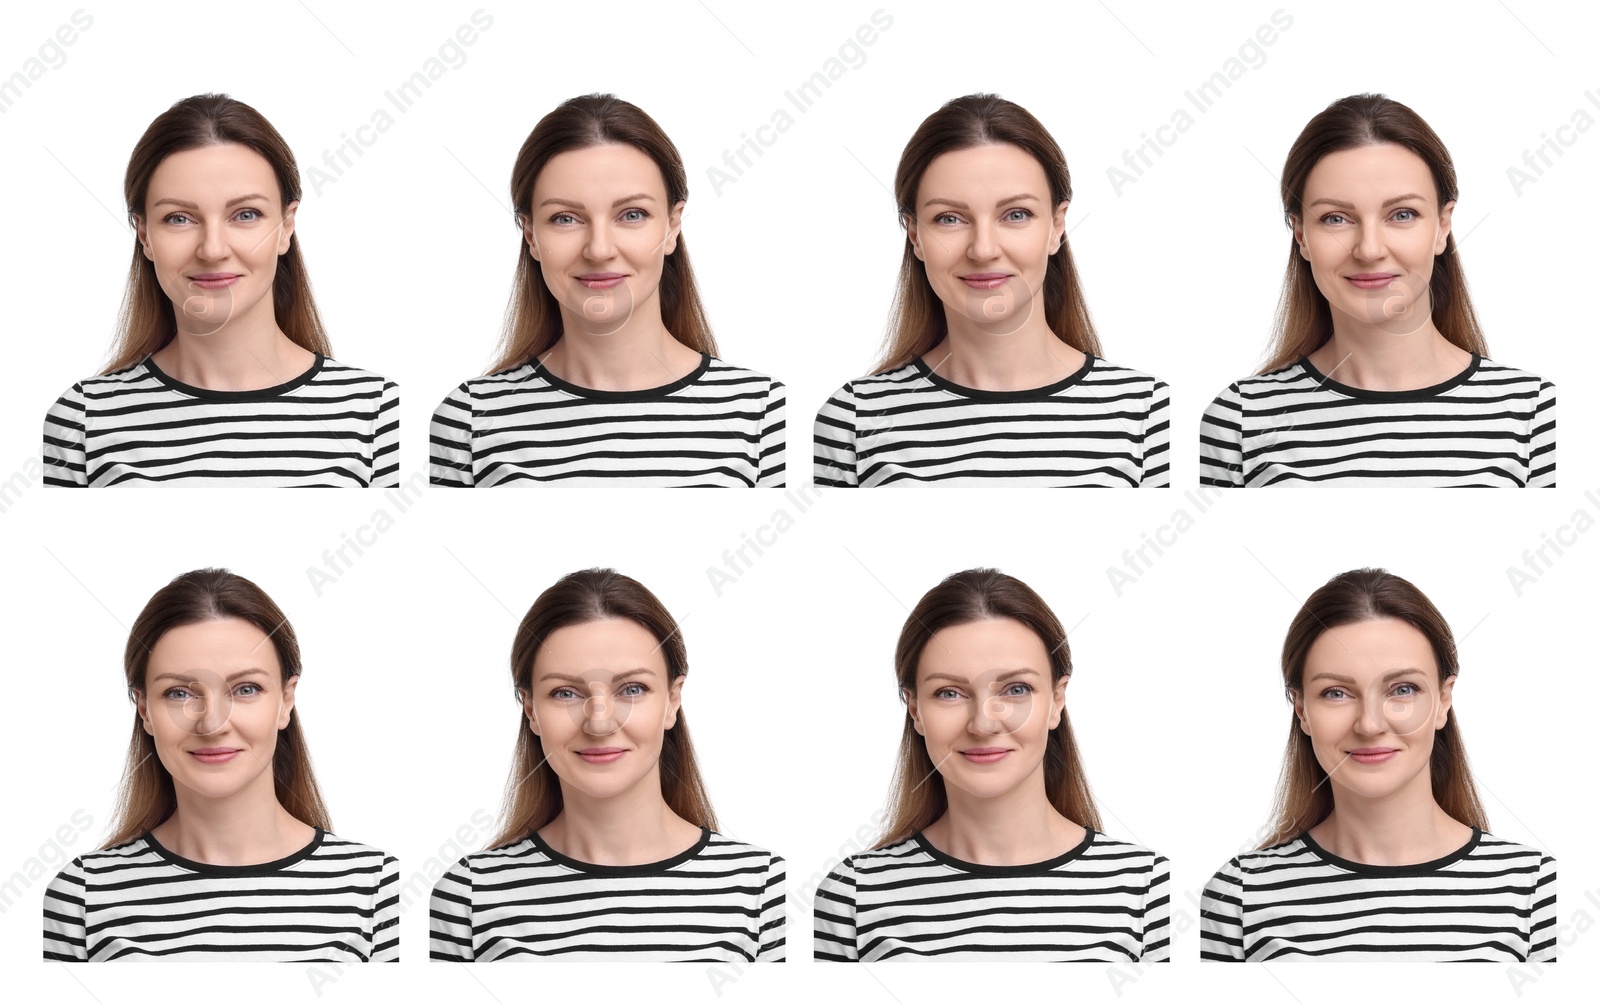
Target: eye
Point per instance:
(1018, 690)
(1335, 693)
(1334, 218)
(947, 692)
(1407, 690)
(1406, 215)
(177, 693)
(634, 690)
(563, 693)
(175, 218)
(1019, 215)
(946, 218)
(634, 216)
(249, 215)
(249, 690)
(562, 219)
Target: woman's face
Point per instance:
(985, 704)
(1371, 229)
(601, 228)
(214, 700)
(600, 703)
(214, 227)
(985, 228)
(1371, 703)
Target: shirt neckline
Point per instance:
(259, 869)
(642, 394)
(642, 869)
(258, 394)
(1413, 394)
(1028, 869)
(1416, 869)
(1025, 394)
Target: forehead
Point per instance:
(983, 175)
(980, 648)
(1369, 174)
(221, 645)
(213, 173)
(1368, 649)
(599, 174)
(611, 645)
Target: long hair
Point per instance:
(917, 320)
(147, 322)
(1304, 797)
(533, 317)
(1304, 320)
(147, 797)
(533, 791)
(917, 795)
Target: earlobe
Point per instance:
(1443, 240)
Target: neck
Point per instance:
(635, 827)
(995, 359)
(1369, 357)
(1018, 827)
(245, 354)
(638, 355)
(247, 828)
(1406, 827)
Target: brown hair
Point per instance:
(917, 794)
(533, 317)
(147, 322)
(533, 791)
(1304, 321)
(1304, 799)
(917, 320)
(146, 797)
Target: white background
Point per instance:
(406, 697)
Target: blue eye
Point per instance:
(1018, 215)
(563, 693)
(947, 692)
(946, 218)
(257, 215)
(635, 215)
(1414, 215)
(633, 690)
(1334, 218)
(177, 693)
(562, 219)
(1019, 689)
(249, 690)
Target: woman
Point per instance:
(1379, 848)
(1377, 373)
(607, 373)
(220, 373)
(221, 846)
(994, 844)
(991, 369)
(608, 847)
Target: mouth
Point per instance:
(986, 280)
(214, 755)
(985, 755)
(1372, 755)
(214, 280)
(601, 280)
(1372, 280)
(601, 755)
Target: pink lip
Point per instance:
(214, 280)
(1372, 280)
(985, 755)
(214, 755)
(601, 280)
(601, 755)
(985, 280)
(1372, 755)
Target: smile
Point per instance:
(601, 755)
(985, 755)
(1372, 755)
(1372, 280)
(601, 280)
(986, 280)
(214, 280)
(214, 755)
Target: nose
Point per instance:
(982, 247)
(597, 717)
(213, 713)
(1372, 720)
(1369, 243)
(599, 247)
(213, 243)
(988, 716)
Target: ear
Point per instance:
(668, 246)
(143, 235)
(286, 710)
(528, 712)
(912, 710)
(1441, 716)
(527, 235)
(1300, 236)
(286, 232)
(1439, 244)
(143, 710)
(911, 235)
(1058, 701)
(1300, 711)
(1058, 228)
(674, 698)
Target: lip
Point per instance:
(601, 280)
(214, 280)
(985, 755)
(214, 755)
(601, 755)
(1372, 280)
(986, 280)
(1372, 755)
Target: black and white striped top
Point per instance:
(333, 901)
(333, 425)
(720, 425)
(1105, 901)
(1105, 425)
(1490, 900)
(1488, 425)
(721, 900)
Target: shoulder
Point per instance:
(1491, 848)
(502, 380)
(1491, 373)
(335, 372)
(1103, 372)
(1105, 849)
(334, 847)
(878, 385)
(1285, 378)
(721, 372)
(88, 867)
(1251, 864)
(722, 847)
(129, 378)
(876, 862)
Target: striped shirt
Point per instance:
(1488, 425)
(333, 901)
(333, 425)
(1104, 901)
(721, 900)
(720, 425)
(1489, 900)
(1103, 426)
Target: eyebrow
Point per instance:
(582, 680)
(182, 204)
(1022, 197)
(187, 678)
(1341, 204)
(636, 197)
(1001, 676)
(1340, 678)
